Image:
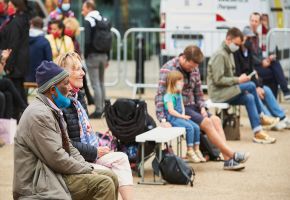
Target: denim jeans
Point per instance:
(273, 76)
(96, 64)
(250, 99)
(270, 106)
(192, 129)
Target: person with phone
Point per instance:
(225, 86)
(244, 65)
(269, 68)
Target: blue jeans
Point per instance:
(192, 130)
(250, 99)
(270, 105)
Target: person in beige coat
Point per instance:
(224, 86)
(46, 165)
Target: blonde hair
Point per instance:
(171, 80)
(74, 24)
(68, 60)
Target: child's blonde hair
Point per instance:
(171, 80)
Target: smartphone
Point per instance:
(252, 74)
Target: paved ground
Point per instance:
(266, 177)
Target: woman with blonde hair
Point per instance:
(72, 29)
(82, 135)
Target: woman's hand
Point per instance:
(5, 54)
(103, 151)
(203, 112)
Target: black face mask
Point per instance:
(248, 44)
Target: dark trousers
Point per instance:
(14, 101)
(10, 109)
(2, 104)
(273, 76)
(18, 83)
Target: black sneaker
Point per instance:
(96, 115)
(241, 157)
(233, 165)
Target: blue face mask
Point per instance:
(61, 101)
(65, 7)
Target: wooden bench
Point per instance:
(159, 135)
(30, 85)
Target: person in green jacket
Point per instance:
(224, 86)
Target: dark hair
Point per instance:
(90, 4)
(193, 53)
(59, 24)
(37, 22)
(257, 14)
(234, 33)
(21, 5)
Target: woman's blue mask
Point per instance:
(61, 101)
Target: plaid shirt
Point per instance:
(192, 92)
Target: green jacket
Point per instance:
(222, 84)
(39, 158)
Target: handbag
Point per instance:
(231, 125)
(8, 130)
(106, 139)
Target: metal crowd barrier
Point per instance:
(208, 41)
(114, 69)
(278, 42)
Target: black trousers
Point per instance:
(14, 101)
(18, 83)
(2, 104)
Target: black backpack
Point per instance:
(208, 149)
(102, 39)
(174, 170)
(127, 118)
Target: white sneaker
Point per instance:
(287, 122)
(280, 126)
(192, 157)
(287, 97)
(200, 156)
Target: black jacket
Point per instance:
(257, 54)
(89, 36)
(245, 65)
(88, 151)
(15, 36)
